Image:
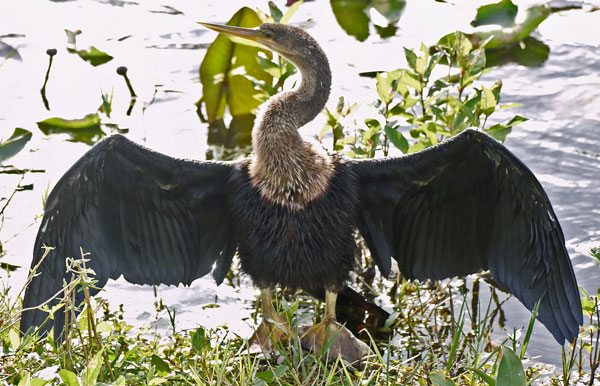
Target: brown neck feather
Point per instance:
(285, 168)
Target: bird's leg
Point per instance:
(332, 339)
(273, 329)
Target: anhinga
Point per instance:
(291, 212)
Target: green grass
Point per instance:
(425, 341)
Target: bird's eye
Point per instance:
(268, 34)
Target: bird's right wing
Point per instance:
(149, 217)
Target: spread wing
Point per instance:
(467, 205)
(149, 217)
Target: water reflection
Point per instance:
(355, 16)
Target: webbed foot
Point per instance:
(269, 333)
(318, 339)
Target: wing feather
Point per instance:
(149, 217)
(467, 205)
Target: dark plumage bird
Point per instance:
(291, 212)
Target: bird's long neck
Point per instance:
(286, 169)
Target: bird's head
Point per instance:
(291, 42)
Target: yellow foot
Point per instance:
(269, 333)
(346, 345)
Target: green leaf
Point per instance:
(104, 327)
(68, 377)
(161, 367)
(430, 130)
(276, 13)
(374, 128)
(411, 59)
(25, 381)
(510, 371)
(86, 129)
(38, 382)
(157, 381)
(390, 320)
(516, 120)
(120, 381)
(489, 380)
(106, 106)
(271, 376)
(437, 379)
(418, 147)
(509, 106)
(199, 339)
(488, 101)
(396, 138)
(223, 68)
(352, 17)
(91, 372)
(385, 91)
(421, 62)
(93, 56)
(433, 61)
(499, 131)
(14, 144)
(15, 340)
(409, 80)
(588, 306)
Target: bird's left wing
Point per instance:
(467, 205)
(149, 217)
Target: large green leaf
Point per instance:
(224, 69)
(510, 371)
(14, 143)
(86, 129)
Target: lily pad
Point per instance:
(86, 129)
(14, 144)
(94, 56)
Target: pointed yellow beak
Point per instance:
(245, 33)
